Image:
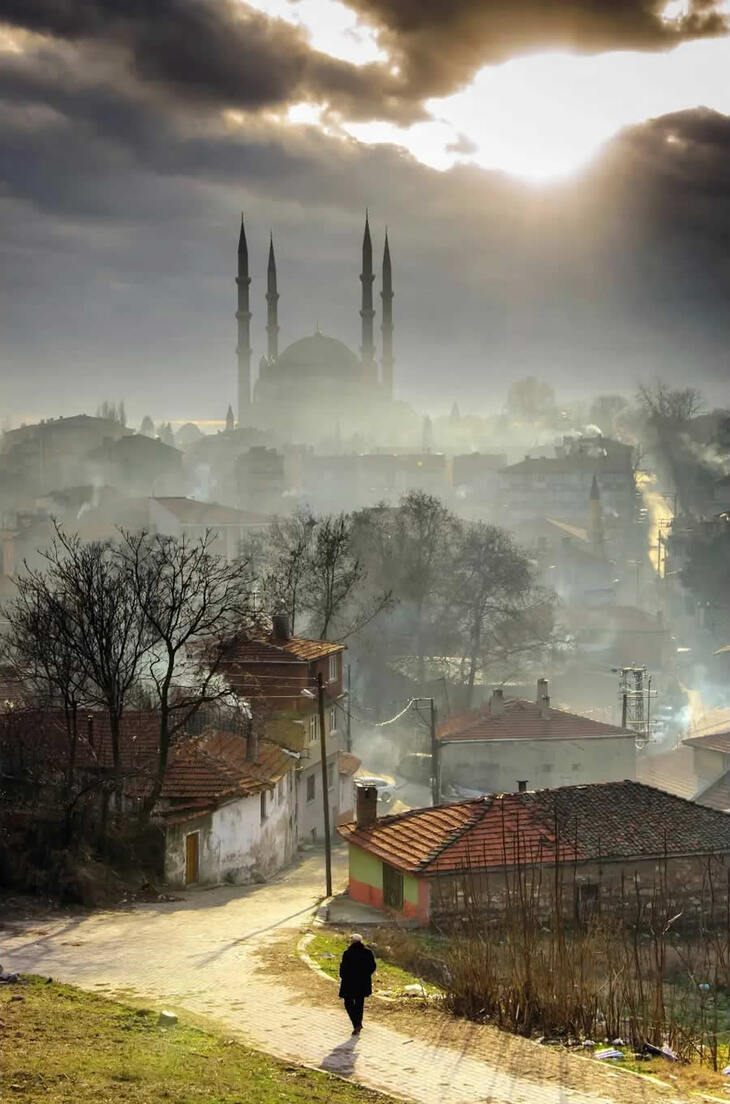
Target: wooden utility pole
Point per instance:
(325, 788)
(435, 763)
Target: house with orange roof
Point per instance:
(279, 674)
(228, 808)
(512, 742)
(435, 863)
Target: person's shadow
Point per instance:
(342, 1059)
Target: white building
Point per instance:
(229, 809)
(513, 744)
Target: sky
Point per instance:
(555, 179)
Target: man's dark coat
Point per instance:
(356, 971)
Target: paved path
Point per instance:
(204, 954)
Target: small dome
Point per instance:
(319, 351)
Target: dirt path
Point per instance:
(208, 952)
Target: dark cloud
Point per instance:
(442, 42)
(214, 52)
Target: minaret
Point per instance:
(243, 318)
(387, 327)
(595, 521)
(367, 349)
(272, 310)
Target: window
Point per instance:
(392, 888)
(313, 728)
(586, 901)
(333, 719)
(263, 806)
(334, 668)
(280, 790)
(311, 782)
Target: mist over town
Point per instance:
(365, 550)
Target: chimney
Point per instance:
(542, 689)
(496, 702)
(252, 743)
(280, 629)
(367, 806)
(545, 707)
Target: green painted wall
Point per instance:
(410, 889)
(366, 868)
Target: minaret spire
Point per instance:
(367, 348)
(272, 310)
(243, 319)
(386, 328)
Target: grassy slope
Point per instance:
(63, 1045)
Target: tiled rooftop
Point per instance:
(189, 511)
(266, 648)
(206, 770)
(608, 820)
(348, 763)
(523, 720)
(712, 741)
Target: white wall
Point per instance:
(235, 845)
(311, 814)
(497, 766)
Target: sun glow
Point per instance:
(545, 116)
(331, 27)
(539, 117)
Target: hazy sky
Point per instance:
(555, 179)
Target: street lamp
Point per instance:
(306, 693)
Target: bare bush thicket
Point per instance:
(646, 961)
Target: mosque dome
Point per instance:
(319, 355)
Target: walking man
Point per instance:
(356, 971)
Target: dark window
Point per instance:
(392, 888)
(263, 806)
(586, 901)
(522, 785)
(310, 787)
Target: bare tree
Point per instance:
(193, 603)
(669, 408)
(408, 551)
(285, 564)
(335, 577)
(101, 627)
(490, 591)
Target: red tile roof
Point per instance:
(267, 649)
(189, 511)
(348, 763)
(608, 820)
(207, 770)
(523, 720)
(712, 741)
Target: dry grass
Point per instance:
(64, 1046)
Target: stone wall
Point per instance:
(626, 888)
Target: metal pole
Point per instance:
(325, 788)
(348, 737)
(435, 764)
